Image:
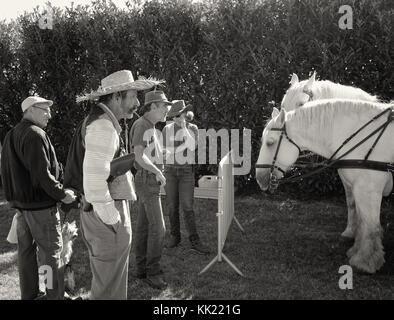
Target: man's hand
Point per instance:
(70, 196)
(166, 154)
(160, 178)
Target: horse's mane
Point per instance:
(327, 89)
(323, 114)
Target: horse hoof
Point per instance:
(362, 265)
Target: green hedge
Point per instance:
(229, 58)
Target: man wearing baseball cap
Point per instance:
(30, 173)
(150, 230)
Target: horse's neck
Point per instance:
(321, 135)
(327, 90)
(310, 139)
(324, 136)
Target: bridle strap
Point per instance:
(273, 165)
(284, 131)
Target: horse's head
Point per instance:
(299, 93)
(278, 152)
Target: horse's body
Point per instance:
(300, 92)
(321, 127)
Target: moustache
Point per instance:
(132, 110)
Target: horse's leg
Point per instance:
(351, 209)
(369, 254)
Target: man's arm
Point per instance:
(144, 161)
(101, 142)
(139, 145)
(37, 162)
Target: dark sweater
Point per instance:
(29, 168)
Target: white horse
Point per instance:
(321, 127)
(300, 92)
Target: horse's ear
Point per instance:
(275, 112)
(310, 83)
(282, 117)
(294, 79)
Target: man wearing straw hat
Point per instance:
(106, 228)
(150, 230)
(30, 173)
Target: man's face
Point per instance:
(179, 119)
(41, 113)
(161, 111)
(129, 104)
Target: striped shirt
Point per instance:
(101, 143)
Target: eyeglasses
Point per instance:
(45, 109)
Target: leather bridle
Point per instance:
(273, 181)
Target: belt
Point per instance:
(179, 165)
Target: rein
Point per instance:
(336, 163)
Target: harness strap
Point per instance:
(364, 164)
(345, 164)
(360, 129)
(378, 138)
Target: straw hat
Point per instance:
(120, 81)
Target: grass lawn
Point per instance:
(291, 250)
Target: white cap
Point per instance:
(31, 101)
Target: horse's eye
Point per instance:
(300, 104)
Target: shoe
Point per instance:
(156, 282)
(68, 297)
(41, 296)
(142, 275)
(173, 242)
(198, 247)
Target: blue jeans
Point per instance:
(40, 228)
(150, 229)
(180, 191)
